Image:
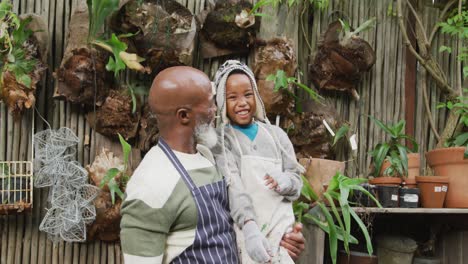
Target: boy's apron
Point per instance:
(274, 213)
(214, 238)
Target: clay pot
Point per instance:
(433, 190)
(356, 257)
(320, 171)
(410, 183)
(450, 162)
(386, 181)
(413, 165)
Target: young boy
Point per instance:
(260, 165)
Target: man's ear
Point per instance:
(184, 115)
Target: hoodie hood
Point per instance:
(220, 79)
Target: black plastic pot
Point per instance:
(388, 195)
(361, 199)
(409, 197)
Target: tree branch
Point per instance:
(441, 18)
(426, 105)
(426, 63)
(421, 26)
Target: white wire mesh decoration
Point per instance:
(70, 197)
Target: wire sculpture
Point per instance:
(70, 196)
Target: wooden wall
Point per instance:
(382, 95)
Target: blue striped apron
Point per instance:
(215, 241)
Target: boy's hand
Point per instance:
(279, 181)
(256, 244)
(270, 182)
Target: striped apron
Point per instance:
(215, 241)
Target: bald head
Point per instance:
(176, 87)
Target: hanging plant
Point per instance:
(220, 26)
(111, 174)
(342, 58)
(164, 31)
(23, 51)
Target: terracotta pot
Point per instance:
(356, 257)
(433, 190)
(450, 162)
(410, 183)
(386, 181)
(320, 171)
(413, 165)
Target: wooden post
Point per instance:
(315, 245)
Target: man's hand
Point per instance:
(256, 244)
(294, 242)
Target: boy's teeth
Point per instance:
(243, 112)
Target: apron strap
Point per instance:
(237, 140)
(176, 162)
(278, 156)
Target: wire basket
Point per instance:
(16, 186)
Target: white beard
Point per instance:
(205, 134)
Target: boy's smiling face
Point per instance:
(240, 99)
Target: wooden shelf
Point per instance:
(376, 210)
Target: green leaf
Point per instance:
(99, 11)
(465, 72)
(331, 202)
(314, 95)
(445, 48)
(462, 139)
(390, 8)
(324, 226)
(126, 149)
(363, 228)
(398, 129)
(258, 5)
(113, 189)
(404, 158)
(332, 235)
(115, 64)
(134, 101)
(345, 25)
(413, 141)
(110, 175)
(441, 105)
(271, 78)
(24, 79)
(307, 190)
(380, 157)
(366, 25)
(340, 133)
(366, 192)
(298, 209)
(381, 125)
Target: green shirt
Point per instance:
(159, 215)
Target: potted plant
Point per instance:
(452, 160)
(22, 58)
(333, 220)
(111, 174)
(390, 159)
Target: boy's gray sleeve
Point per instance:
(240, 202)
(290, 164)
